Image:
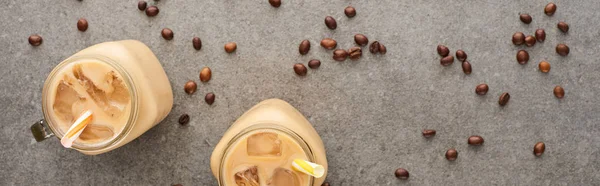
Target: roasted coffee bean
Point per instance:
(190, 87)
(304, 47)
(197, 43)
(481, 89)
(525, 18)
(152, 11)
(559, 92)
(330, 22)
(184, 119)
(205, 74)
(544, 66)
(401, 173)
(448, 60)
(275, 3)
(142, 5)
(179, 184)
(35, 40)
(354, 53)
(451, 154)
(540, 35)
(300, 69)
(562, 26)
(382, 49)
(529, 41)
(361, 40)
(82, 24)
(475, 140)
(518, 38)
(466, 66)
(340, 55)
(350, 11)
(461, 55)
(503, 100)
(314, 63)
(443, 50)
(562, 49)
(167, 33)
(428, 133)
(522, 57)
(325, 184)
(550, 9)
(230, 47)
(328, 43)
(374, 48)
(539, 149)
(209, 98)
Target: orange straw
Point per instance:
(76, 129)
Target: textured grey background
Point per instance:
(369, 112)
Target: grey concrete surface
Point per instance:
(369, 112)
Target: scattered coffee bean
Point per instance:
(503, 100)
(184, 119)
(559, 92)
(205, 74)
(475, 140)
(428, 133)
(374, 48)
(354, 53)
(350, 11)
(179, 184)
(562, 26)
(300, 69)
(529, 41)
(540, 35)
(275, 3)
(522, 57)
(443, 50)
(314, 63)
(525, 18)
(82, 24)
(328, 43)
(401, 173)
(518, 38)
(230, 47)
(35, 40)
(142, 5)
(562, 49)
(544, 66)
(152, 11)
(466, 66)
(330, 22)
(304, 47)
(197, 43)
(539, 149)
(382, 48)
(461, 55)
(448, 60)
(451, 154)
(325, 184)
(190, 87)
(481, 89)
(340, 55)
(361, 40)
(209, 98)
(550, 9)
(167, 33)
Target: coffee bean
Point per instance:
(190, 87)
(481, 89)
(300, 69)
(82, 24)
(382, 48)
(142, 5)
(350, 11)
(529, 41)
(562, 49)
(559, 92)
(314, 63)
(451, 154)
(540, 35)
(401, 173)
(304, 47)
(443, 50)
(525, 18)
(275, 3)
(428, 133)
(448, 60)
(152, 11)
(209, 98)
(562, 26)
(167, 33)
(539, 149)
(330, 22)
(550, 9)
(503, 100)
(518, 38)
(325, 184)
(475, 140)
(340, 55)
(35, 40)
(522, 57)
(328, 43)
(466, 66)
(184, 119)
(361, 40)
(205, 74)
(197, 43)
(355, 53)
(374, 48)
(544, 66)
(230, 47)
(179, 184)
(461, 55)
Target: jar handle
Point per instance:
(41, 131)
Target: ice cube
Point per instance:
(247, 177)
(264, 144)
(96, 133)
(66, 96)
(283, 177)
(107, 91)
